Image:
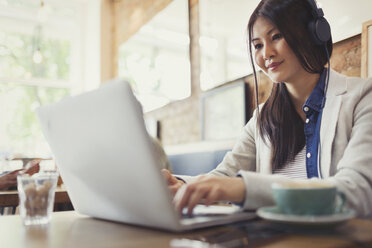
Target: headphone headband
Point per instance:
(319, 27)
(313, 3)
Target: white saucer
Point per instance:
(274, 214)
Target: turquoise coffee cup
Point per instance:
(308, 198)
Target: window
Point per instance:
(224, 111)
(156, 59)
(36, 44)
(223, 47)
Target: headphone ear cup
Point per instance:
(323, 30)
(320, 30)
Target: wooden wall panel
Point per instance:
(365, 49)
(120, 19)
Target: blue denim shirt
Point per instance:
(313, 109)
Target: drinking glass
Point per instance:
(36, 197)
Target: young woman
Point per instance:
(316, 123)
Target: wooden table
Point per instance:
(70, 229)
(9, 198)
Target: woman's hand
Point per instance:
(173, 183)
(209, 189)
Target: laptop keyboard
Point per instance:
(210, 211)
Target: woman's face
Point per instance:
(273, 54)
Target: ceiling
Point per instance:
(230, 17)
(345, 16)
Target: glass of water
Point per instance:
(36, 197)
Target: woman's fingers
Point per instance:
(212, 196)
(169, 177)
(195, 198)
(209, 190)
(166, 175)
(190, 195)
(174, 188)
(181, 197)
(173, 183)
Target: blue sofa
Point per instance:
(193, 164)
(197, 158)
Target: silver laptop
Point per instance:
(107, 163)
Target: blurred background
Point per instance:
(186, 60)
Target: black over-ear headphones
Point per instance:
(319, 27)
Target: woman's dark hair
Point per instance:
(278, 120)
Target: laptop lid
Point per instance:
(106, 159)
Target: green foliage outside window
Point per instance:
(16, 51)
(19, 100)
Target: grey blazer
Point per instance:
(346, 148)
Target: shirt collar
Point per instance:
(316, 97)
